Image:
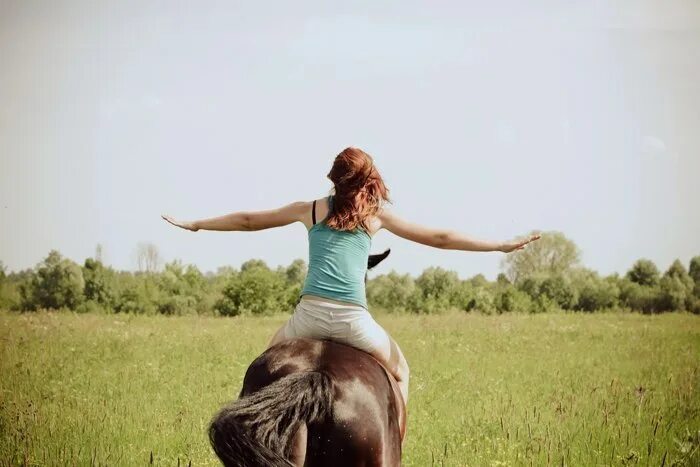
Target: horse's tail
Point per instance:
(258, 429)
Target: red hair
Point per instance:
(359, 190)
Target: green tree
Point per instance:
(182, 289)
(479, 280)
(296, 272)
(560, 290)
(644, 272)
(6, 289)
(694, 273)
(99, 283)
(435, 289)
(136, 293)
(596, 293)
(552, 254)
(509, 298)
(255, 290)
(391, 292)
(638, 297)
(57, 283)
(502, 279)
(676, 288)
(254, 264)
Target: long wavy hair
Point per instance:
(358, 188)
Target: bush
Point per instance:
(639, 297)
(177, 305)
(597, 294)
(695, 306)
(255, 290)
(418, 303)
(509, 298)
(91, 306)
(129, 300)
(694, 273)
(543, 304)
(57, 283)
(560, 291)
(435, 290)
(391, 292)
(470, 297)
(99, 283)
(10, 297)
(181, 290)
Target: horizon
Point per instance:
(372, 273)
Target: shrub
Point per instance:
(91, 306)
(255, 290)
(639, 297)
(509, 298)
(181, 290)
(469, 297)
(129, 300)
(435, 289)
(694, 273)
(598, 294)
(57, 283)
(391, 291)
(99, 283)
(560, 291)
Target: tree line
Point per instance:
(544, 277)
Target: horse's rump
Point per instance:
(352, 412)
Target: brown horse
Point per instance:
(313, 403)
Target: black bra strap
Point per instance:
(313, 213)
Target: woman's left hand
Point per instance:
(515, 245)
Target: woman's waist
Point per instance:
(309, 297)
(338, 306)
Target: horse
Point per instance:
(307, 402)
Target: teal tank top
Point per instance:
(337, 262)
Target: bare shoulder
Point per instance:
(380, 220)
(385, 216)
(305, 210)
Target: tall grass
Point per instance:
(548, 389)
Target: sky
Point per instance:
(489, 118)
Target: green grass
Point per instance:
(550, 389)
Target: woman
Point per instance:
(332, 302)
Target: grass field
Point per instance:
(550, 389)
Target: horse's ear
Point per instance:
(374, 260)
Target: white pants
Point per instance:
(345, 323)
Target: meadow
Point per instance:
(513, 389)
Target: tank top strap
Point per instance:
(330, 208)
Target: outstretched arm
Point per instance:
(247, 221)
(446, 239)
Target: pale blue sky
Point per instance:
(493, 118)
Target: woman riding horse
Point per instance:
(333, 304)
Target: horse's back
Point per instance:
(364, 426)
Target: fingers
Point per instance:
(522, 244)
(531, 239)
(172, 221)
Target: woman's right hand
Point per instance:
(515, 245)
(182, 224)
